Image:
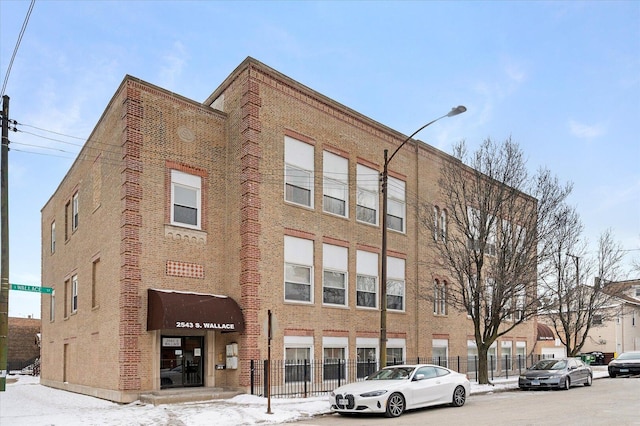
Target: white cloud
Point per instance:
(173, 64)
(585, 131)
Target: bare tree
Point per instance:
(490, 226)
(574, 304)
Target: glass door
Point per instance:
(181, 361)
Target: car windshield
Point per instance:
(550, 364)
(629, 355)
(393, 373)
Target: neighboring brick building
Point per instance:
(266, 194)
(23, 342)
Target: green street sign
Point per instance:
(34, 288)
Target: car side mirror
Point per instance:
(418, 377)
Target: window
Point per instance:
(396, 207)
(506, 355)
(489, 296)
(335, 184)
(439, 298)
(521, 354)
(520, 305)
(491, 237)
(186, 199)
(52, 306)
(298, 358)
(395, 351)
(66, 297)
(67, 219)
(637, 291)
(440, 351)
(334, 354)
(74, 294)
(366, 279)
(596, 319)
(474, 228)
(298, 269)
(443, 225)
(439, 224)
(94, 282)
(367, 357)
(395, 284)
(367, 181)
(334, 275)
(298, 158)
(472, 356)
(53, 237)
(74, 220)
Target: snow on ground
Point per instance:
(27, 403)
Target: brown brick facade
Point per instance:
(126, 243)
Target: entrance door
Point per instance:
(181, 361)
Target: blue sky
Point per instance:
(562, 79)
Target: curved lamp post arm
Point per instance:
(454, 111)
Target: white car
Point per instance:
(395, 389)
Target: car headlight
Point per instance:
(373, 393)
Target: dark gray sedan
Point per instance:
(626, 363)
(556, 373)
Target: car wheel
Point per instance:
(395, 405)
(459, 397)
(567, 383)
(589, 380)
(612, 374)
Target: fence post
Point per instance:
(306, 371)
(252, 373)
(506, 365)
(340, 371)
(459, 364)
(491, 362)
(475, 362)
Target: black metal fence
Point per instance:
(317, 377)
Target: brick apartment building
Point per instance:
(181, 224)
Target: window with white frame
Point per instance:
(520, 305)
(472, 356)
(367, 356)
(396, 351)
(489, 290)
(53, 237)
(335, 184)
(298, 269)
(186, 200)
(506, 355)
(395, 284)
(75, 212)
(334, 275)
(367, 198)
(521, 354)
(491, 236)
(52, 306)
(439, 297)
(396, 206)
(74, 293)
(366, 279)
(440, 352)
(334, 354)
(298, 159)
(298, 351)
(443, 225)
(492, 358)
(436, 223)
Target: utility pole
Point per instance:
(4, 241)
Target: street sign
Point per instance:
(34, 288)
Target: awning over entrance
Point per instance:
(545, 332)
(177, 310)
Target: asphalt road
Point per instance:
(607, 402)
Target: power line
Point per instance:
(15, 50)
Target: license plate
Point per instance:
(343, 401)
(624, 370)
(535, 383)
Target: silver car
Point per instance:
(556, 373)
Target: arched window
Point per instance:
(439, 298)
(436, 222)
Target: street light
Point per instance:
(383, 285)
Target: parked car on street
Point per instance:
(556, 373)
(392, 390)
(626, 363)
